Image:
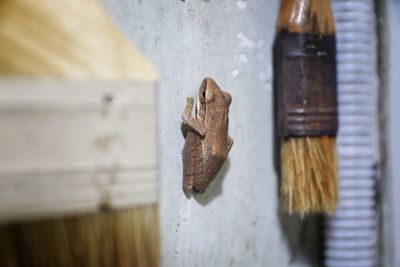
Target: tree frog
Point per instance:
(207, 142)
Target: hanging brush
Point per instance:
(306, 105)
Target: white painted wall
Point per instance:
(394, 120)
(236, 222)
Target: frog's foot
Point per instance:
(190, 121)
(189, 107)
(188, 184)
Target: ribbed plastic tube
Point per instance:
(351, 236)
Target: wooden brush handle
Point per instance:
(311, 16)
(72, 39)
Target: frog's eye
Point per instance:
(210, 97)
(202, 96)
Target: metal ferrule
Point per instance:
(305, 84)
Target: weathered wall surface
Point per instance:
(236, 222)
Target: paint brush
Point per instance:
(306, 105)
(77, 41)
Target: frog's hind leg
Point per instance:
(189, 168)
(190, 121)
(192, 160)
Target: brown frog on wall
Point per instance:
(207, 142)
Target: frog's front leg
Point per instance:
(190, 121)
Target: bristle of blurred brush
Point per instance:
(39, 39)
(115, 238)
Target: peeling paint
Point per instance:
(245, 41)
(235, 73)
(243, 58)
(241, 4)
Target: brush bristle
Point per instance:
(116, 238)
(309, 174)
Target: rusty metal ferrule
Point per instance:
(305, 84)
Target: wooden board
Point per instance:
(71, 147)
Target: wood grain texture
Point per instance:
(73, 147)
(307, 16)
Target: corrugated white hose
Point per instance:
(350, 237)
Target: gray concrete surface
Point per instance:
(236, 222)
